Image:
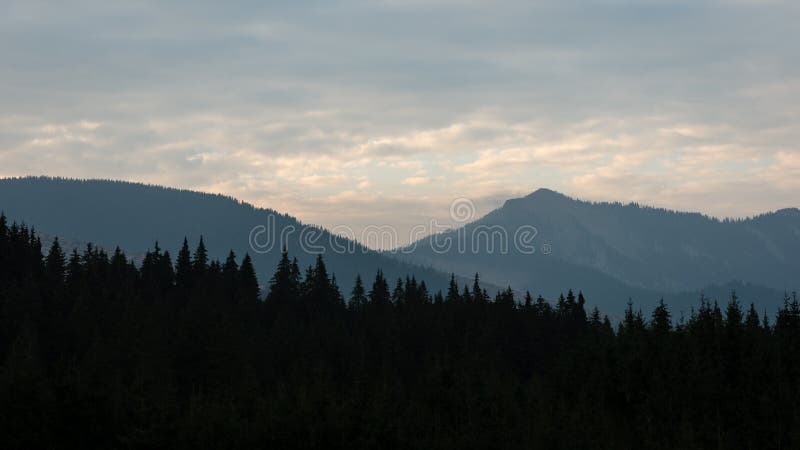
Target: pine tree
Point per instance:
(570, 303)
(296, 273)
(661, 322)
(452, 290)
(379, 294)
(466, 295)
(733, 314)
(166, 274)
(579, 313)
(250, 292)
(56, 262)
(505, 299)
(528, 301)
(200, 260)
(542, 308)
(75, 267)
(561, 306)
(477, 292)
(412, 294)
(752, 323)
(285, 285)
(230, 277)
(183, 266)
(336, 293)
(320, 291)
(607, 328)
(399, 293)
(595, 319)
(423, 296)
(358, 298)
(633, 322)
(121, 271)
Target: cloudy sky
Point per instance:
(383, 112)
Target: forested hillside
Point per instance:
(133, 216)
(614, 251)
(185, 352)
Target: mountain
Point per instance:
(134, 216)
(612, 251)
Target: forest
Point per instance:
(188, 352)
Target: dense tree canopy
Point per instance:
(188, 353)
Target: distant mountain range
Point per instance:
(134, 216)
(612, 251)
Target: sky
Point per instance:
(358, 113)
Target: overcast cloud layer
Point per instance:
(383, 112)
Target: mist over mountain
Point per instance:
(134, 216)
(612, 251)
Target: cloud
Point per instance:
(333, 111)
(415, 181)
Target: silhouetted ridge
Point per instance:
(134, 215)
(616, 250)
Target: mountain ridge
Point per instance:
(134, 216)
(614, 247)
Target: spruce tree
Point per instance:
(200, 260)
(422, 296)
(661, 321)
(733, 314)
(399, 293)
(452, 290)
(230, 276)
(466, 295)
(477, 292)
(595, 319)
(358, 298)
(752, 322)
(379, 294)
(542, 308)
(74, 267)
(250, 292)
(579, 313)
(336, 293)
(56, 262)
(528, 301)
(284, 284)
(183, 266)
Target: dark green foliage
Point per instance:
(97, 353)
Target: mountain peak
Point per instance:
(540, 198)
(544, 192)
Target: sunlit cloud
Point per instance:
(355, 113)
(415, 181)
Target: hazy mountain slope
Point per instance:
(613, 251)
(657, 248)
(134, 216)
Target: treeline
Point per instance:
(185, 352)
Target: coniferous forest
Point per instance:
(181, 351)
